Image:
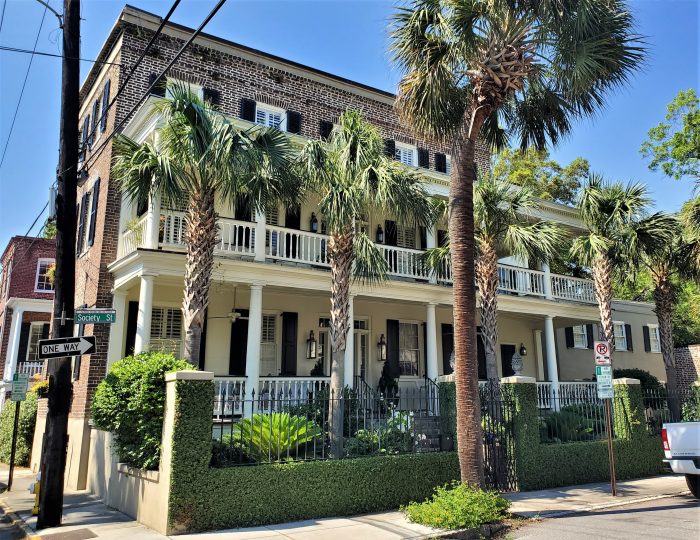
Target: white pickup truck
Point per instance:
(681, 442)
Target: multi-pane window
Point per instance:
(33, 345)
(44, 282)
(6, 273)
(405, 154)
(409, 352)
(654, 338)
(166, 330)
(268, 117)
(405, 236)
(620, 336)
(268, 349)
(580, 336)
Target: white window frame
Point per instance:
(40, 326)
(271, 109)
(162, 337)
(417, 324)
(194, 88)
(278, 339)
(654, 331)
(448, 164)
(618, 346)
(400, 148)
(579, 334)
(49, 262)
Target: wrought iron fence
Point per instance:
(563, 421)
(497, 415)
(662, 405)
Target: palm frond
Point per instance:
(370, 265)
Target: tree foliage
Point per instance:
(535, 170)
(673, 146)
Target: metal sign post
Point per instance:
(20, 383)
(606, 392)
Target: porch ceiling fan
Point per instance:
(232, 315)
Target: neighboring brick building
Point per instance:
(687, 365)
(26, 300)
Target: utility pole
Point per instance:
(53, 458)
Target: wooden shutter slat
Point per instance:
(293, 122)
(105, 105)
(248, 109)
(569, 337)
(23, 341)
(423, 158)
(392, 346)
(81, 224)
(589, 336)
(93, 212)
(628, 337)
(647, 338)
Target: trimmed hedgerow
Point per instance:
(129, 402)
(25, 429)
(205, 498)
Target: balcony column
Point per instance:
(430, 243)
(431, 341)
(13, 345)
(551, 356)
(349, 359)
(152, 222)
(252, 358)
(116, 329)
(260, 236)
(143, 319)
(547, 281)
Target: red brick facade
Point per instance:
(687, 365)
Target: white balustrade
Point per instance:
(404, 262)
(515, 280)
(30, 368)
(297, 246)
(134, 237)
(278, 392)
(567, 393)
(574, 289)
(236, 236)
(229, 393)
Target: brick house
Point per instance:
(26, 302)
(132, 258)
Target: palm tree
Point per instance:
(353, 177)
(619, 225)
(481, 70)
(202, 158)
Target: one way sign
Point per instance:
(72, 346)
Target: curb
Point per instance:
(17, 520)
(602, 506)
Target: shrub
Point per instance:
(573, 423)
(691, 408)
(273, 436)
(25, 430)
(647, 380)
(458, 506)
(396, 437)
(129, 402)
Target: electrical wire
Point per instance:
(40, 53)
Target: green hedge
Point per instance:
(204, 498)
(25, 430)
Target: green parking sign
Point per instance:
(20, 385)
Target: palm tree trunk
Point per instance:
(461, 229)
(663, 299)
(602, 281)
(340, 245)
(200, 239)
(487, 279)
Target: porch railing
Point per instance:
(229, 393)
(404, 262)
(133, 237)
(574, 289)
(515, 280)
(236, 236)
(297, 246)
(30, 368)
(568, 393)
(292, 390)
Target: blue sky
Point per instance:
(342, 37)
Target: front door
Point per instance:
(507, 352)
(361, 352)
(238, 348)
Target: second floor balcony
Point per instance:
(272, 243)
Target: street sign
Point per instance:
(95, 316)
(72, 346)
(20, 384)
(604, 382)
(602, 353)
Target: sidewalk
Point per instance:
(85, 517)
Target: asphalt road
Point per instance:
(671, 518)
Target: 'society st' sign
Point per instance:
(95, 316)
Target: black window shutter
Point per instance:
(23, 341)
(93, 212)
(84, 137)
(442, 238)
(238, 349)
(447, 347)
(158, 84)
(105, 104)
(290, 326)
(81, 224)
(423, 158)
(212, 96)
(589, 336)
(440, 162)
(248, 109)
(569, 335)
(293, 122)
(203, 341)
(390, 148)
(392, 346)
(390, 236)
(132, 315)
(45, 330)
(95, 116)
(628, 335)
(324, 129)
(480, 354)
(423, 233)
(647, 339)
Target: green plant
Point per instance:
(274, 436)
(573, 423)
(458, 506)
(691, 408)
(647, 380)
(25, 430)
(388, 383)
(41, 388)
(129, 402)
(364, 443)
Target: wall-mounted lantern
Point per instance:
(311, 346)
(381, 348)
(380, 234)
(523, 350)
(313, 225)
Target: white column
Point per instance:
(539, 354)
(143, 320)
(153, 222)
(551, 355)
(349, 360)
(431, 242)
(252, 358)
(259, 236)
(547, 281)
(431, 341)
(116, 330)
(13, 345)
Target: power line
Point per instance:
(39, 53)
(2, 17)
(147, 93)
(24, 84)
